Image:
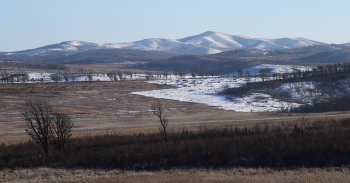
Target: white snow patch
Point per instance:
(204, 90)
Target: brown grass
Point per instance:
(334, 174)
(302, 143)
(105, 106)
(94, 114)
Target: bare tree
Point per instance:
(240, 72)
(120, 75)
(39, 116)
(149, 75)
(176, 73)
(166, 73)
(60, 130)
(182, 72)
(73, 77)
(89, 76)
(211, 72)
(129, 73)
(112, 76)
(159, 74)
(247, 73)
(201, 72)
(158, 110)
(66, 77)
(43, 125)
(55, 77)
(194, 72)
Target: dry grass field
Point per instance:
(100, 107)
(244, 175)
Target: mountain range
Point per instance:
(206, 43)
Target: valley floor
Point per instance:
(124, 108)
(109, 106)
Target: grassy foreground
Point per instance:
(302, 143)
(258, 175)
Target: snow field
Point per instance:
(204, 90)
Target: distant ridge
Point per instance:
(226, 42)
(209, 42)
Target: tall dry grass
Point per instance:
(302, 143)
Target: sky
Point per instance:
(28, 24)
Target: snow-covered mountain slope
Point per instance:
(206, 43)
(63, 48)
(168, 45)
(224, 42)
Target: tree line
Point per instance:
(325, 79)
(332, 81)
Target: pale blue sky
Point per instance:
(27, 24)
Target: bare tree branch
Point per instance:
(158, 110)
(60, 130)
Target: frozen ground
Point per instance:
(204, 90)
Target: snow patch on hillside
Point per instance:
(205, 90)
(168, 45)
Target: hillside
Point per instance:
(155, 48)
(226, 42)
